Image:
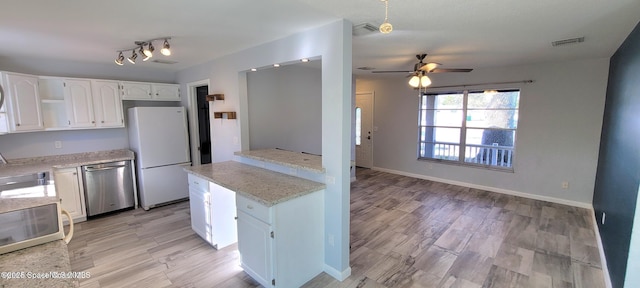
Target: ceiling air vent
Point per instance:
(567, 41)
(164, 61)
(364, 29)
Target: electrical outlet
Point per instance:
(58, 144)
(604, 215)
(331, 240)
(565, 184)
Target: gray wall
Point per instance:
(32, 144)
(618, 177)
(557, 139)
(285, 108)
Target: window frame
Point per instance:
(462, 145)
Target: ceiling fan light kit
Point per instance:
(146, 53)
(386, 27)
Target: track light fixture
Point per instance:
(145, 53)
(133, 57)
(144, 56)
(120, 59)
(149, 51)
(165, 48)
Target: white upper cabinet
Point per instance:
(24, 102)
(79, 103)
(136, 91)
(107, 104)
(167, 92)
(150, 91)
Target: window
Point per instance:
(476, 128)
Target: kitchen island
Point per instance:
(280, 220)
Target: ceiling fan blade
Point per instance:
(429, 66)
(393, 71)
(444, 70)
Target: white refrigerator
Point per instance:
(160, 139)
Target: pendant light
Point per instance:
(386, 27)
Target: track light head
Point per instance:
(165, 48)
(149, 51)
(144, 56)
(120, 59)
(133, 57)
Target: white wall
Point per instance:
(285, 108)
(227, 75)
(557, 139)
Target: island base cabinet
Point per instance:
(200, 213)
(255, 248)
(213, 213)
(282, 245)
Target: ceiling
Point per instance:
(456, 33)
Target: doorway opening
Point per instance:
(364, 129)
(204, 127)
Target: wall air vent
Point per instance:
(567, 41)
(364, 29)
(164, 61)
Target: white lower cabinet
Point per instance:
(70, 192)
(282, 245)
(213, 213)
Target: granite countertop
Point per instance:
(287, 158)
(24, 166)
(262, 185)
(45, 265)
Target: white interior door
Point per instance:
(364, 129)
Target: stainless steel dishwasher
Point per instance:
(108, 187)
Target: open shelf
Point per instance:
(221, 115)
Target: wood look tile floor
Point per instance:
(405, 232)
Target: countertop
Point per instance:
(262, 185)
(24, 166)
(45, 265)
(287, 158)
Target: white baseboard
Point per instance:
(488, 188)
(340, 276)
(603, 259)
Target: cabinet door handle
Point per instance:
(17, 124)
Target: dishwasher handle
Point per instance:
(93, 168)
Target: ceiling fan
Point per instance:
(430, 67)
(419, 78)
